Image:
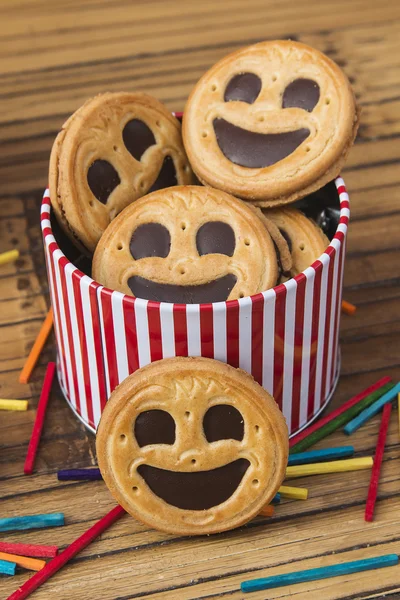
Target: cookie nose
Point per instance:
(190, 458)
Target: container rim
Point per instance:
(282, 288)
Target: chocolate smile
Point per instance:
(214, 291)
(199, 490)
(256, 150)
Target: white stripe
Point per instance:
(193, 329)
(46, 193)
(290, 313)
(45, 208)
(328, 381)
(121, 352)
(321, 331)
(57, 326)
(91, 349)
(268, 341)
(167, 329)
(305, 362)
(339, 182)
(142, 330)
(219, 331)
(103, 340)
(69, 269)
(46, 223)
(245, 306)
(57, 255)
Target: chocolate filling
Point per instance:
(150, 239)
(137, 138)
(214, 291)
(215, 237)
(301, 93)
(102, 179)
(256, 150)
(223, 422)
(154, 427)
(244, 87)
(199, 490)
(167, 176)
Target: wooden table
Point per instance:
(54, 56)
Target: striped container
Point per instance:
(286, 337)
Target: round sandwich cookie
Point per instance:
(192, 446)
(116, 148)
(189, 245)
(305, 239)
(270, 123)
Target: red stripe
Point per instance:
(180, 330)
(128, 305)
(232, 331)
(57, 312)
(314, 339)
(153, 315)
(279, 342)
(341, 189)
(76, 283)
(63, 262)
(325, 365)
(338, 303)
(257, 322)
(206, 330)
(109, 335)
(94, 308)
(298, 350)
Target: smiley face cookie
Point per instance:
(270, 123)
(192, 446)
(305, 239)
(187, 244)
(116, 148)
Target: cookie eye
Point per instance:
(150, 239)
(215, 237)
(223, 422)
(154, 427)
(301, 93)
(137, 138)
(102, 179)
(243, 87)
(166, 177)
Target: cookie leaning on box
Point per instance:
(270, 123)
(114, 149)
(192, 446)
(187, 244)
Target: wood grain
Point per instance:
(54, 55)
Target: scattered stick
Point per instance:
(32, 522)
(267, 511)
(40, 415)
(37, 348)
(8, 404)
(313, 456)
(371, 411)
(79, 475)
(337, 419)
(7, 568)
(7, 257)
(335, 466)
(33, 564)
(29, 549)
(398, 411)
(294, 493)
(59, 561)
(348, 308)
(356, 566)
(376, 469)
(276, 499)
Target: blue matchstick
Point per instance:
(32, 522)
(371, 411)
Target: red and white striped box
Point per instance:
(286, 337)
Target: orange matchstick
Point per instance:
(37, 348)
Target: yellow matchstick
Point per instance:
(294, 493)
(6, 404)
(9, 256)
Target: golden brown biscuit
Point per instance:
(192, 446)
(114, 149)
(270, 123)
(187, 244)
(305, 239)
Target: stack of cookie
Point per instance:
(263, 128)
